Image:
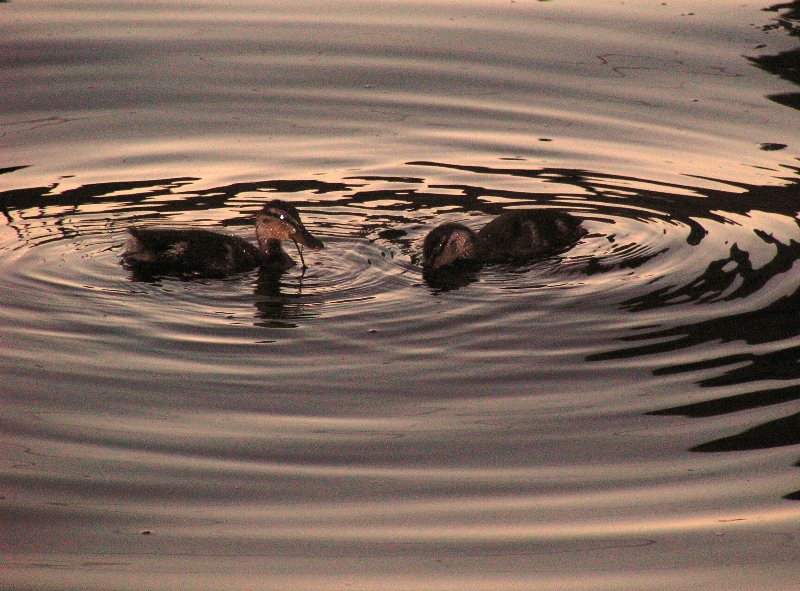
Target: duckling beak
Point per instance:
(304, 237)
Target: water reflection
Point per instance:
(732, 277)
(743, 274)
(452, 278)
(277, 301)
(784, 64)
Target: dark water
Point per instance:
(622, 415)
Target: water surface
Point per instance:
(621, 415)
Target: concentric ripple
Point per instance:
(655, 253)
(294, 396)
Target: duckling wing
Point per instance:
(190, 252)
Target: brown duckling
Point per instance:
(512, 236)
(203, 253)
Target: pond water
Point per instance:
(620, 415)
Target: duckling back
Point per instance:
(527, 233)
(189, 252)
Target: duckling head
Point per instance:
(280, 221)
(448, 245)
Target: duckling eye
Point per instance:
(282, 216)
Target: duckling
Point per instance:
(203, 253)
(515, 235)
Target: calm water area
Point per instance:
(622, 415)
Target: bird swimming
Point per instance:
(513, 236)
(203, 253)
